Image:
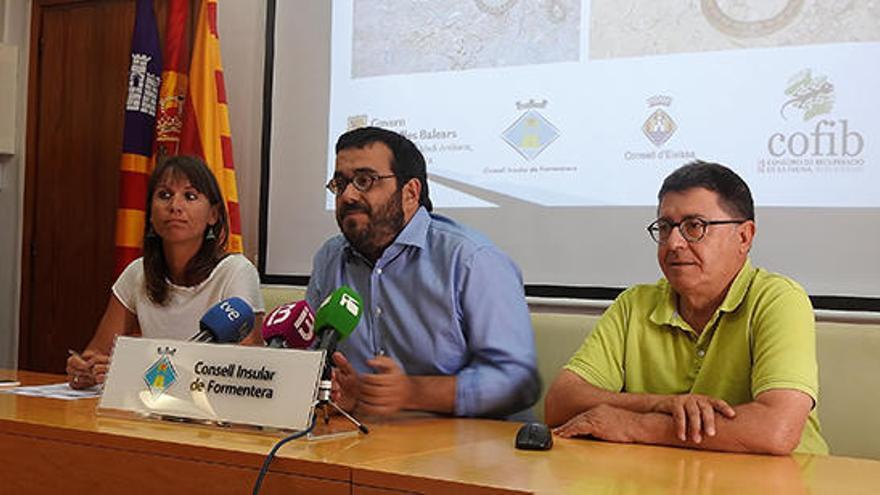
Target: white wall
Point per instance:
(242, 27)
(14, 30)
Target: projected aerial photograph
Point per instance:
(631, 28)
(411, 36)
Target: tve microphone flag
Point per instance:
(230, 320)
(290, 325)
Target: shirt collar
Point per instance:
(414, 233)
(666, 313)
(737, 292)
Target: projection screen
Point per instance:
(549, 125)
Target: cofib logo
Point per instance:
(827, 141)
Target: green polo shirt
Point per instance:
(762, 337)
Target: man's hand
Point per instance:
(387, 391)
(694, 414)
(345, 390)
(603, 422)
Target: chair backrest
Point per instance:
(849, 387)
(276, 295)
(557, 337)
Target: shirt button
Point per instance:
(701, 353)
(378, 311)
(378, 271)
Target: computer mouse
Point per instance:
(534, 436)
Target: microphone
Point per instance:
(336, 318)
(290, 325)
(230, 320)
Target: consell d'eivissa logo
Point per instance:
(815, 140)
(658, 128)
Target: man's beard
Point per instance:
(382, 226)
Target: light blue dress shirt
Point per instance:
(442, 300)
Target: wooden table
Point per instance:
(55, 446)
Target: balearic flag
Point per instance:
(169, 120)
(206, 130)
(137, 142)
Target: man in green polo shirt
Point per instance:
(718, 355)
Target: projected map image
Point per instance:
(629, 28)
(410, 36)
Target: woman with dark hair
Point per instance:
(184, 271)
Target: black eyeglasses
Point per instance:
(362, 181)
(692, 229)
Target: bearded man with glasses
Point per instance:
(718, 355)
(446, 327)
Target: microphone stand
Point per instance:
(328, 341)
(325, 403)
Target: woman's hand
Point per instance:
(87, 369)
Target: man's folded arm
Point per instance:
(571, 395)
(771, 424)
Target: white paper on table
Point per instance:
(56, 391)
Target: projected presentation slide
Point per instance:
(576, 103)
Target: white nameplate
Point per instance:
(230, 383)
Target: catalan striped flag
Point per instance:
(169, 120)
(137, 143)
(206, 130)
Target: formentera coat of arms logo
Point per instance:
(160, 376)
(531, 133)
